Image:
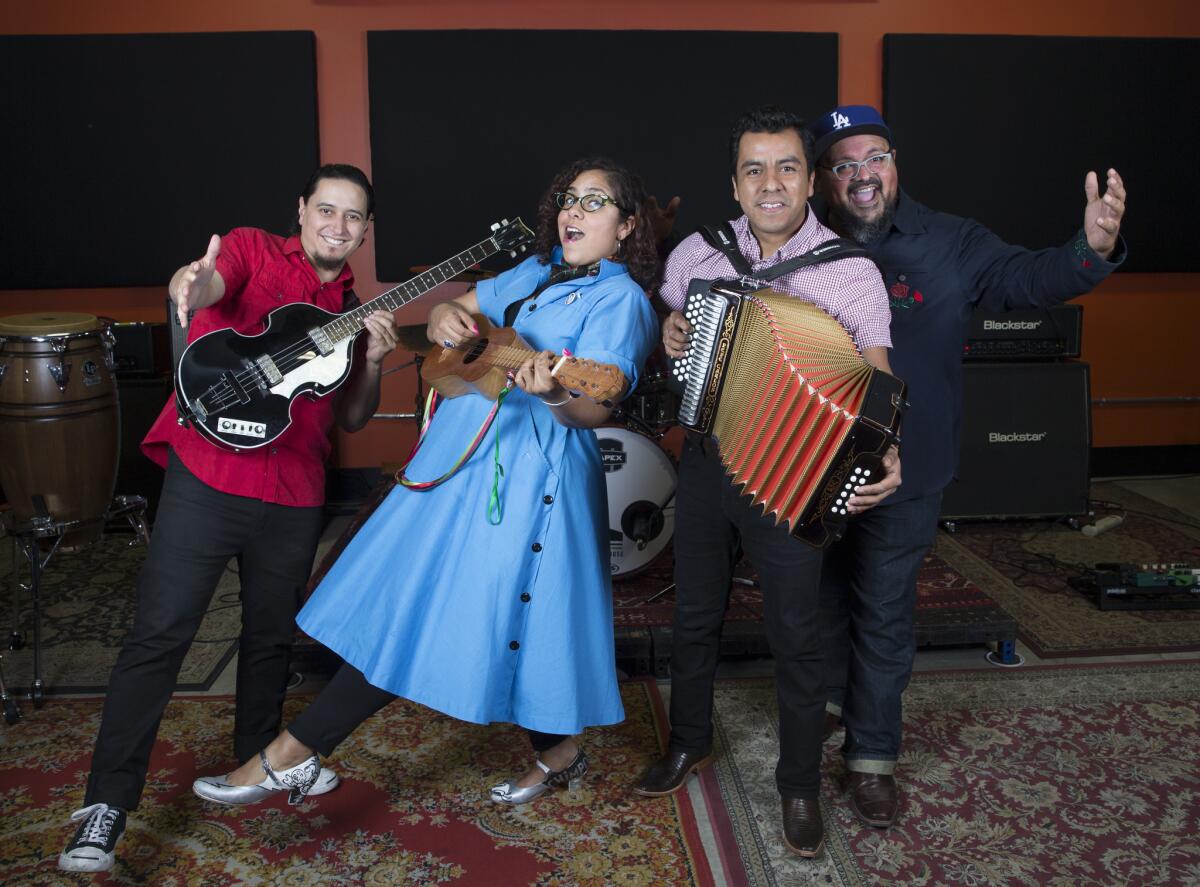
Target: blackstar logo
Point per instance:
(245, 429)
(997, 437)
(1011, 324)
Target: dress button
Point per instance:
(547, 499)
(513, 645)
(524, 597)
(274, 452)
(537, 546)
(532, 306)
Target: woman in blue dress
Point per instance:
(488, 597)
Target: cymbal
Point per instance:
(471, 275)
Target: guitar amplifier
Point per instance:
(1025, 442)
(1027, 334)
(141, 350)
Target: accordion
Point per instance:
(799, 417)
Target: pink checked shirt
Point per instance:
(849, 289)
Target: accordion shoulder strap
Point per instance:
(724, 239)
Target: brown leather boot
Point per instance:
(803, 830)
(874, 798)
(668, 774)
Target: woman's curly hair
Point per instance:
(639, 252)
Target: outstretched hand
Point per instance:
(195, 277)
(1102, 215)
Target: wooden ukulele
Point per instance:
(481, 364)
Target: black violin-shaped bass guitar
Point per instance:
(238, 390)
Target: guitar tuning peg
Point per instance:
(495, 226)
(504, 221)
(513, 253)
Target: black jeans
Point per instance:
(868, 595)
(711, 522)
(197, 531)
(347, 701)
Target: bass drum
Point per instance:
(59, 421)
(641, 498)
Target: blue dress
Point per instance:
(509, 622)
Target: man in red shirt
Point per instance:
(262, 506)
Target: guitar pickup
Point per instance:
(270, 372)
(321, 340)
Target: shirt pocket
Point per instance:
(278, 288)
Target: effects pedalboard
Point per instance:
(1147, 586)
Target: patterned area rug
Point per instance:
(1028, 568)
(87, 606)
(413, 808)
(632, 607)
(1063, 776)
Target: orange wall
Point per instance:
(1130, 319)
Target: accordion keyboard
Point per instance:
(706, 313)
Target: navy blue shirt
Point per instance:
(938, 268)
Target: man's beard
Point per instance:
(859, 230)
(322, 263)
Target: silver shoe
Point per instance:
(571, 776)
(299, 781)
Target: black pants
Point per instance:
(197, 531)
(347, 701)
(711, 521)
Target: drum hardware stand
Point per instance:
(641, 543)
(12, 711)
(27, 537)
(417, 413)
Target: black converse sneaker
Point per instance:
(91, 850)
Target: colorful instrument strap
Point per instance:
(495, 512)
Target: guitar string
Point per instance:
(228, 396)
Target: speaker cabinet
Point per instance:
(141, 401)
(1026, 435)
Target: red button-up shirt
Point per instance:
(261, 272)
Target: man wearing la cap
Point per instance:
(938, 268)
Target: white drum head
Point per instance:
(641, 498)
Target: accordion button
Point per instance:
(867, 472)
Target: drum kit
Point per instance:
(59, 451)
(640, 475)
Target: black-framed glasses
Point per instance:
(589, 203)
(876, 163)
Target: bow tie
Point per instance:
(559, 273)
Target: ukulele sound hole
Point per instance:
(476, 351)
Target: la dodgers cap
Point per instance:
(845, 121)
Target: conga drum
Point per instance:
(59, 420)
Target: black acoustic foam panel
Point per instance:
(126, 152)
(1003, 129)
(468, 127)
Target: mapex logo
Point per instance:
(995, 437)
(245, 429)
(612, 454)
(840, 121)
(1011, 324)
